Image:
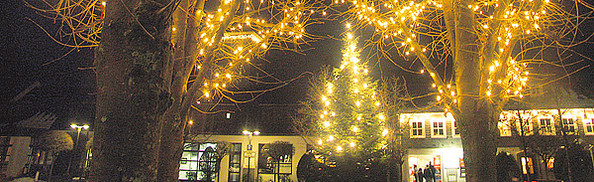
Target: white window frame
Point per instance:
(454, 128)
(504, 128)
(588, 123)
(433, 128)
(552, 126)
(574, 125)
(529, 127)
(422, 129)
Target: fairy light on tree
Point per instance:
(156, 59)
(490, 44)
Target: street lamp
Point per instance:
(78, 128)
(249, 153)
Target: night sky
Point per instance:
(68, 87)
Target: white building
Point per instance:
(14, 153)
(246, 153)
(432, 137)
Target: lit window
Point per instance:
(437, 128)
(523, 127)
(198, 162)
(455, 130)
(235, 162)
(546, 126)
(228, 115)
(504, 128)
(527, 165)
(589, 126)
(416, 129)
(271, 165)
(568, 125)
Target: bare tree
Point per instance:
(477, 54)
(156, 60)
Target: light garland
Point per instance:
(350, 119)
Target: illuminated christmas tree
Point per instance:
(349, 120)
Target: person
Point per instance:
(433, 172)
(415, 173)
(428, 174)
(420, 175)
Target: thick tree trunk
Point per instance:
(476, 115)
(479, 143)
(129, 61)
(170, 151)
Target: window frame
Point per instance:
(434, 128)
(505, 130)
(288, 161)
(588, 123)
(550, 127)
(421, 129)
(235, 152)
(455, 131)
(199, 151)
(572, 125)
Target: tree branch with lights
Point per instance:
(178, 54)
(491, 45)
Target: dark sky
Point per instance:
(26, 51)
(67, 88)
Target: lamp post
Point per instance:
(78, 129)
(249, 151)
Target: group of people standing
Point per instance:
(424, 175)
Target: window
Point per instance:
(455, 128)
(589, 126)
(228, 115)
(235, 162)
(568, 125)
(269, 168)
(527, 165)
(416, 129)
(437, 128)
(198, 162)
(546, 126)
(504, 128)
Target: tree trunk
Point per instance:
(171, 149)
(479, 143)
(176, 117)
(477, 115)
(130, 61)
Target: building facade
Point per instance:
(14, 152)
(434, 138)
(430, 138)
(245, 159)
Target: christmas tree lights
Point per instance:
(350, 118)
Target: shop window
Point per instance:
(198, 162)
(269, 168)
(546, 126)
(437, 128)
(527, 165)
(416, 129)
(568, 125)
(589, 126)
(235, 163)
